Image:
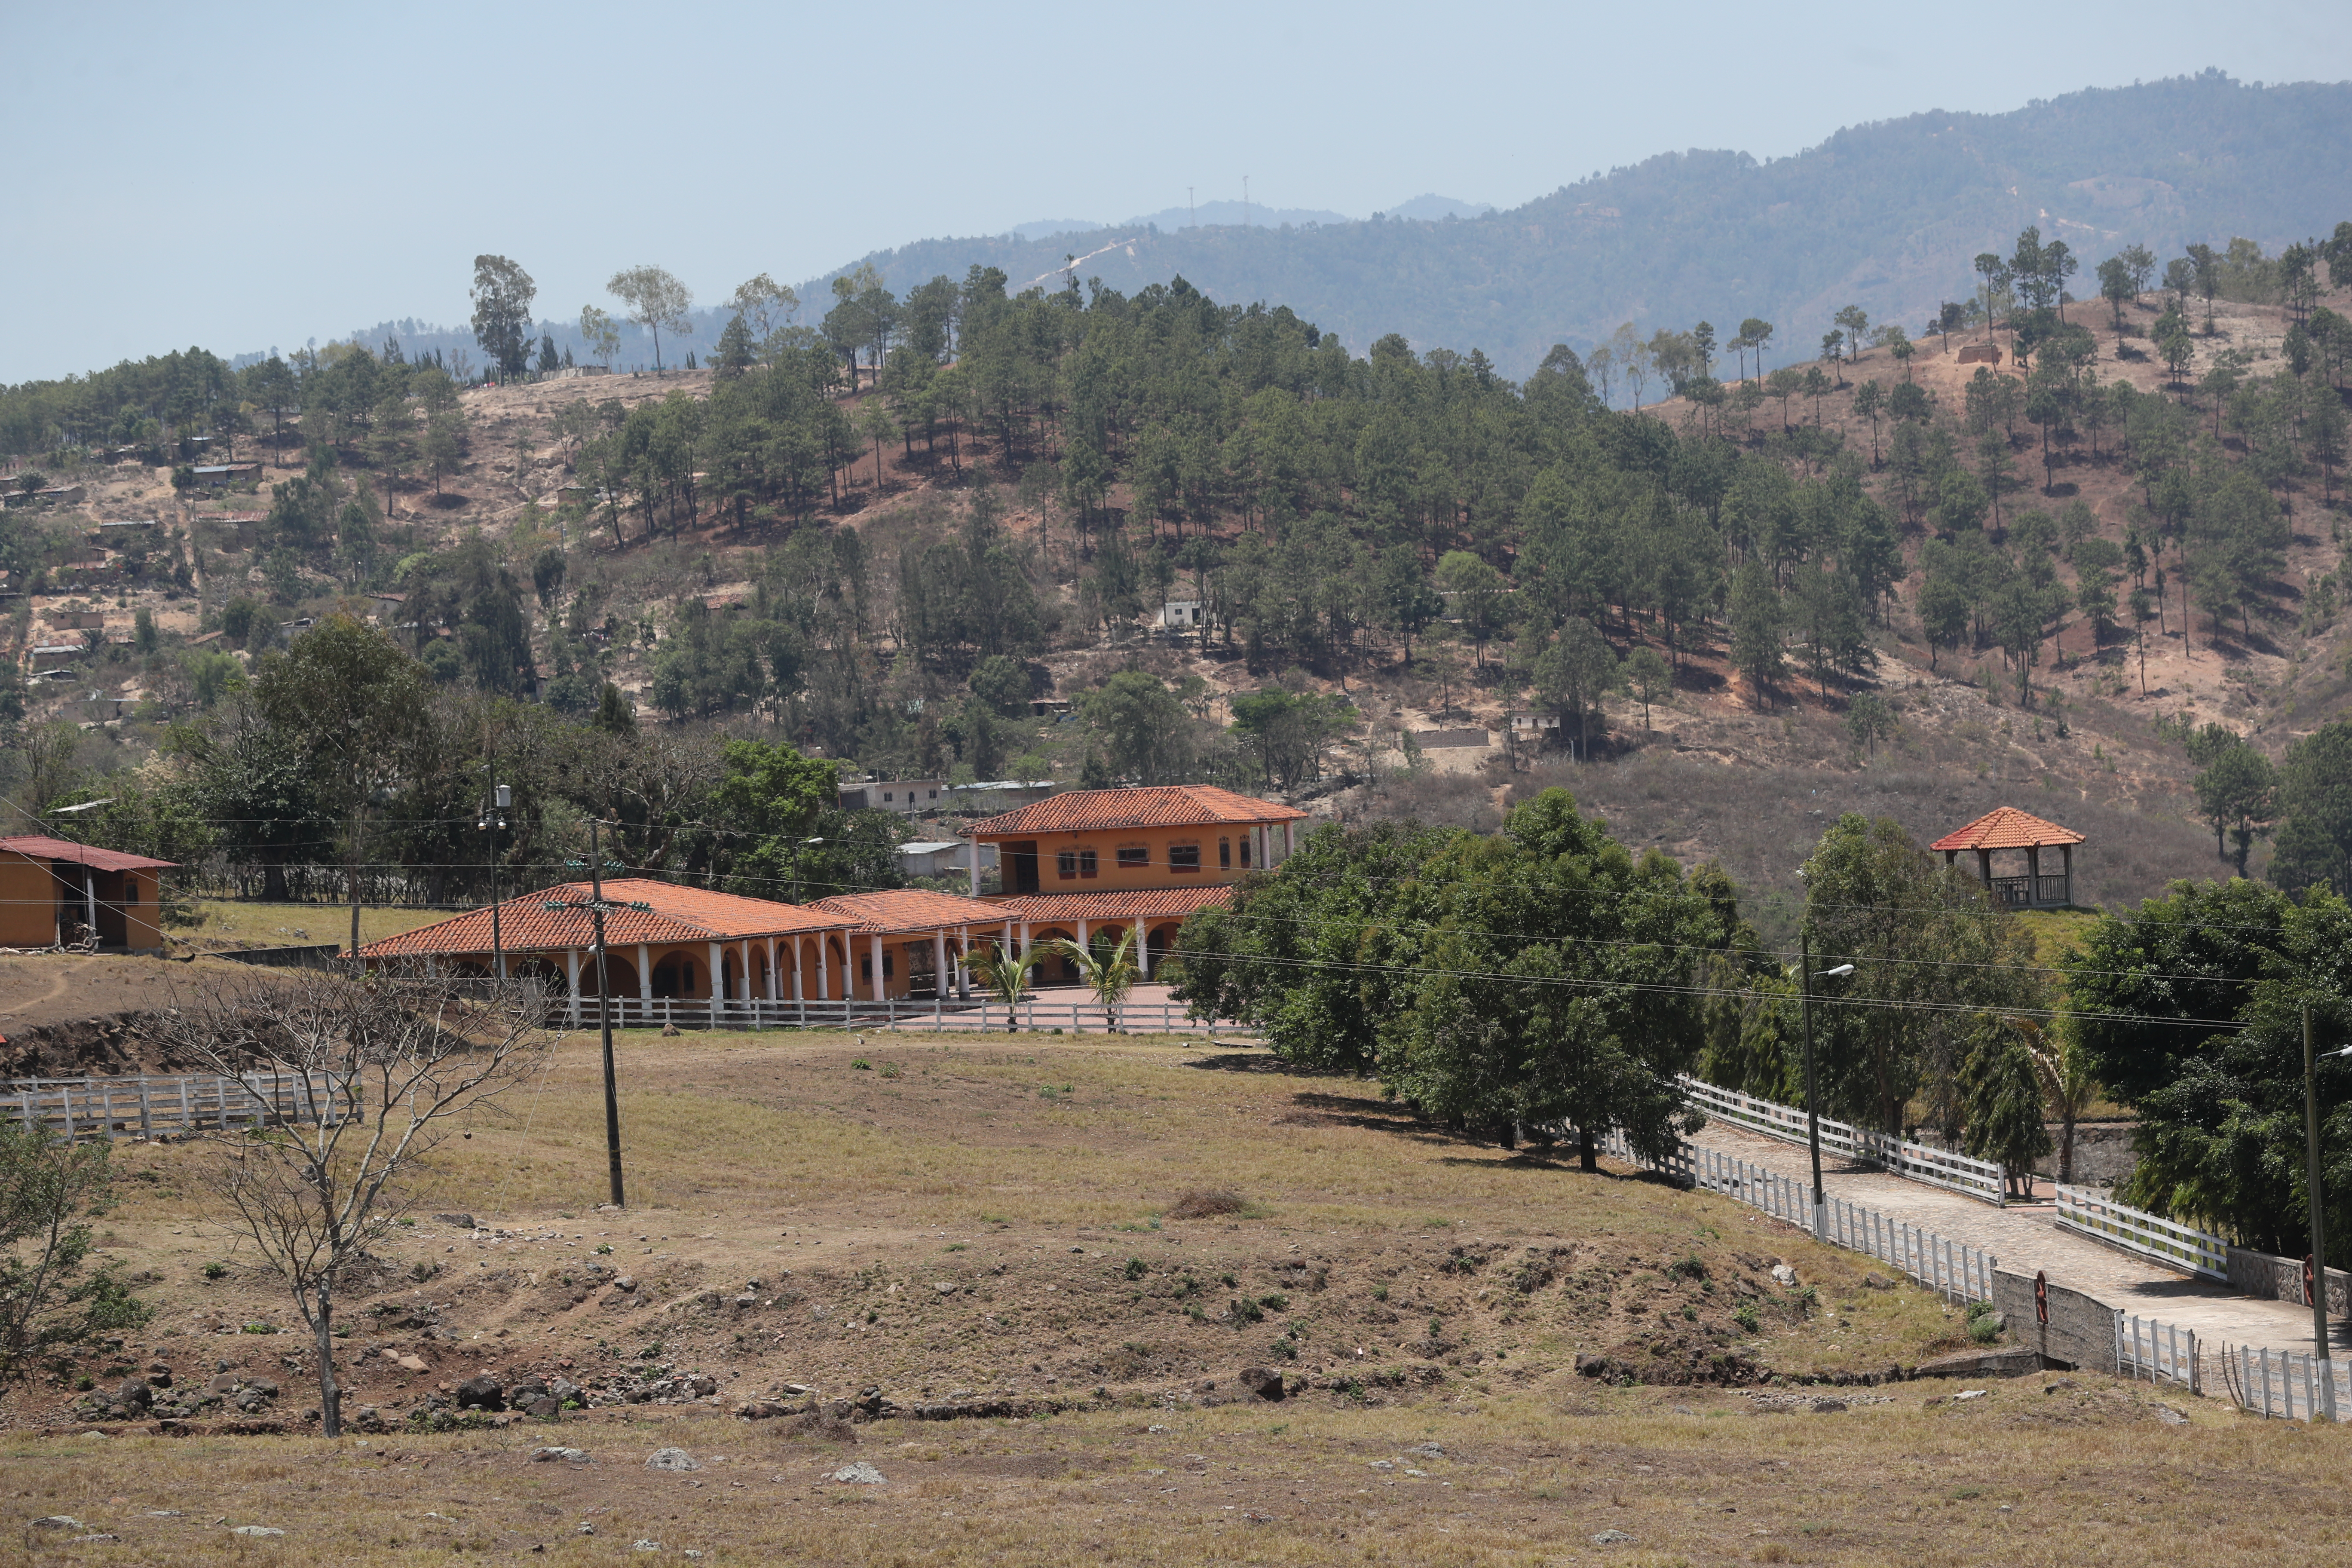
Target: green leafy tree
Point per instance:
(1554, 984)
(656, 299)
(768, 799)
(1143, 726)
(2189, 1010)
(1757, 619)
(50, 1191)
(2315, 801)
(502, 294)
(1479, 593)
(1651, 678)
(1574, 673)
(1926, 946)
(2237, 794)
(2003, 1101)
(1869, 721)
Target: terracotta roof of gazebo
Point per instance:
(2006, 828)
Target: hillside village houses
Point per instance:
(1080, 864)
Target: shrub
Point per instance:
(1203, 1202)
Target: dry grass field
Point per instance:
(988, 1229)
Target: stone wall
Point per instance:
(2081, 1331)
(2103, 1153)
(2275, 1278)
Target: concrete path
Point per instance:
(2023, 1240)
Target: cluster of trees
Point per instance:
(1545, 974)
(340, 758)
(2189, 1010)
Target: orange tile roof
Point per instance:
(677, 914)
(39, 848)
(2006, 828)
(1138, 904)
(906, 910)
(1154, 806)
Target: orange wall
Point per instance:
(28, 902)
(1156, 871)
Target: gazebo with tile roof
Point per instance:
(2006, 828)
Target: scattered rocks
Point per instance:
(256, 1530)
(1610, 1537)
(2169, 1416)
(481, 1393)
(673, 1459)
(1827, 1406)
(56, 1522)
(1427, 1451)
(551, 1455)
(135, 1397)
(456, 1221)
(1970, 1393)
(1784, 1276)
(858, 1473)
(652, 1545)
(1263, 1382)
(1382, 1465)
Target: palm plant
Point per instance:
(1007, 973)
(1111, 974)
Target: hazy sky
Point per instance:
(244, 175)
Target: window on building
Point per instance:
(1066, 864)
(1245, 851)
(1224, 854)
(1134, 857)
(887, 795)
(1183, 856)
(1086, 862)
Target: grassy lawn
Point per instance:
(992, 1224)
(232, 922)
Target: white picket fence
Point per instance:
(1946, 1168)
(2157, 1350)
(2091, 1213)
(1957, 1271)
(148, 1107)
(2288, 1386)
(931, 1015)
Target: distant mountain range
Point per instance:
(1884, 215)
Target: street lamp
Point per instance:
(2319, 1228)
(493, 818)
(1812, 1101)
(796, 865)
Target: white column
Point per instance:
(718, 980)
(797, 995)
(1082, 935)
(823, 967)
(964, 961)
(1143, 948)
(775, 979)
(940, 963)
(975, 867)
(646, 977)
(874, 944)
(572, 966)
(1028, 944)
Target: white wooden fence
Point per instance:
(2288, 1386)
(1955, 1270)
(2163, 1350)
(2091, 1213)
(1946, 1168)
(935, 1014)
(148, 1107)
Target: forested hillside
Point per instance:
(1885, 216)
(2097, 555)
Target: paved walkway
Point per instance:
(2023, 1240)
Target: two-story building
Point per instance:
(1086, 861)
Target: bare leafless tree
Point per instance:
(363, 1071)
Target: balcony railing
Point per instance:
(2027, 892)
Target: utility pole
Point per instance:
(491, 820)
(596, 906)
(2317, 1197)
(1812, 1101)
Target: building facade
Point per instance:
(1084, 862)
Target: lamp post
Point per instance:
(1812, 1101)
(796, 865)
(2318, 1223)
(493, 818)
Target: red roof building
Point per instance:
(663, 943)
(905, 934)
(1092, 860)
(54, 892)
(2005, 827)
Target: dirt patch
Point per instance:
(1203, 1202)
